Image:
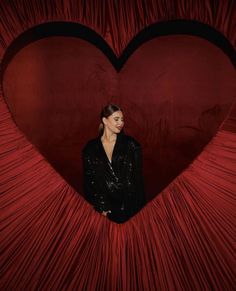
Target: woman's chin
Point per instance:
(116, 131)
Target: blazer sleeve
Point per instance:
(91, 188)
(138, 176)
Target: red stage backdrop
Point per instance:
(177, 92)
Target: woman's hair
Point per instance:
(108, 110)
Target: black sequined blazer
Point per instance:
(116, 185)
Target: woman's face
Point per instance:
(114, 122)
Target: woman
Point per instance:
(113, 180)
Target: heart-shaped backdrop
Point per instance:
(53, 240)
(175, 91)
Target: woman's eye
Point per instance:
(117, 119)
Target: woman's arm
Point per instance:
(138, 176)
(91, 188)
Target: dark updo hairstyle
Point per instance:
(108, 110)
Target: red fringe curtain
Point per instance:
(118, 21)
(51, 239)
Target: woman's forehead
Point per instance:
(117, 114)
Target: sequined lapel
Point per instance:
(116, 150)
(115, 153)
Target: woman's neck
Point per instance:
(108, 136)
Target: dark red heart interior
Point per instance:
(174, 90)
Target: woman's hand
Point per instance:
(104, 213)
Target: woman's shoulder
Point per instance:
(90, 145)
(131, 141)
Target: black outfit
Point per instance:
(116, 185)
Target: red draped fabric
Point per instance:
(52, 239)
